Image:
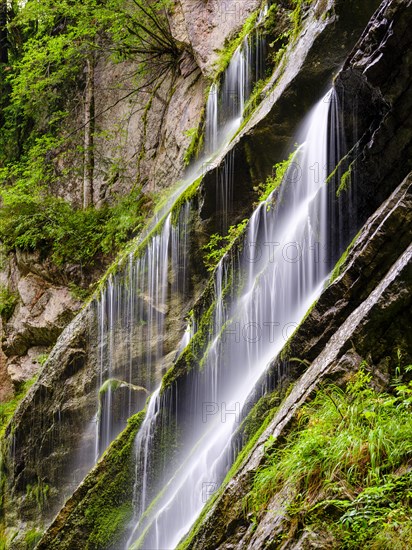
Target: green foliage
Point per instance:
(345, 181)
(264, 190)
(32, 218)
(8, 302)
(196, 136)
(7, 408)
(345, 451)
(31, 538)
(40, 90)
(41, 359)
(380, 515)
(218, 245)
(54, 41)
(255, 97)
(39, 493)
(187, 196)
(226, 54)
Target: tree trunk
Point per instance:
(4, 46)
(88, 134)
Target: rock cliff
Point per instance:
(50, 482)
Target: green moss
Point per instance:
(8, 301)
(96, 514)
(331, 177)
(7, 408)
(226, 54)
(255, 97)
(39, 493)
(273, 182)
(193, 354)
(187, 196)
(105, 526)
(196, 136)
(266, 405)
(340, 264)
(345, 181)
(31, 538)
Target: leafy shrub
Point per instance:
(34, 219)
(218, 245)
(264, 190)
(32, 537)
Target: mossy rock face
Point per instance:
(44, 435)
(372, 330)
(96, 515)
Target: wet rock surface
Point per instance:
(377, 324)
(45, 436)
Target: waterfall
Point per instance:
(227, 98)
(131, 310)
(212, 108)
(282, 269)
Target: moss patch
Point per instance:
(94, 517)
(187, 196)
(7, 409)
(196, 136)
(340, 264)
(345, 181)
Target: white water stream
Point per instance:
(132, 308)
(283, 272)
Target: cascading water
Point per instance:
(282, 271)
(132, 306)
(227, 99)
(130, 315)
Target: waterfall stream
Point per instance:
(132, 308)
(283, 270)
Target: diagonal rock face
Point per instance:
(49, 422)
(335, 338)
(356, 316)
(45, 434)
(207, 24)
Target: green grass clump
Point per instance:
(8, 300)
(218, 245)
(345, 181)
(344, 458)
(279, 170)
(7, 408)
(31, 538)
